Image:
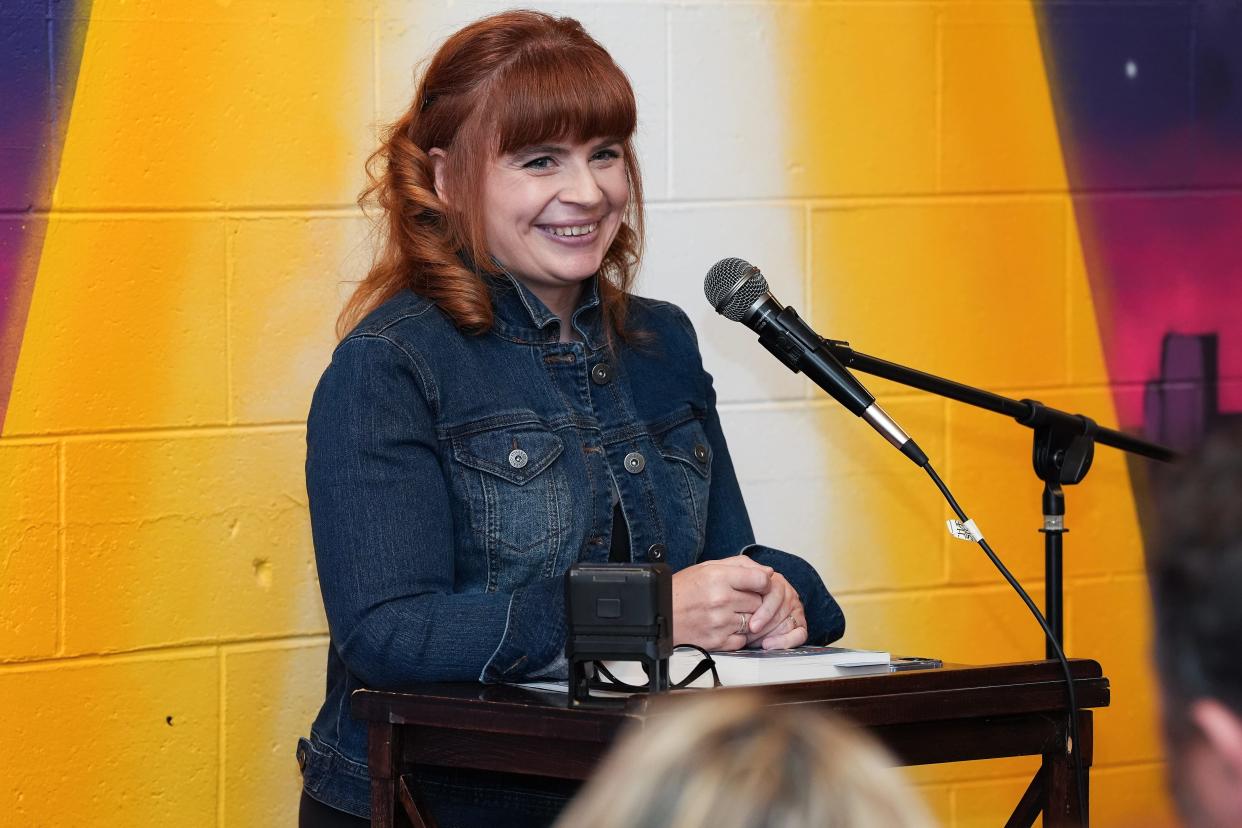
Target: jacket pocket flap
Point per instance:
(517, 454)
(688, 443)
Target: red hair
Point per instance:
(498, 85)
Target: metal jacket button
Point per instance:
(635, 462)
(657, 551)
(517, 458)
(601, 374)
(700, 452)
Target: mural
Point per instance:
(1150, 116)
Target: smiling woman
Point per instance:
(553, 213)
(501, 406)
(493, 101)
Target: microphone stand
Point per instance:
(1064, 446)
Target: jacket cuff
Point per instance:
(534, 637)
(825, 622)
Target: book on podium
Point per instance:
(738, 668)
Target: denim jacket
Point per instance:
(453, 479)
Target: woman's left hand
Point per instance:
(780, 621)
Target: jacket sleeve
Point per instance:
(729, 532)
(383, 533)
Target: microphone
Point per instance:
(738, 291)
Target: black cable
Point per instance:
(616, 684)
(1075, 744)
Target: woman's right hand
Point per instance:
(709, 600)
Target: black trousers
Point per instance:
(314, 814)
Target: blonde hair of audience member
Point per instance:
(729, 761)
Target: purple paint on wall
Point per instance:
(25, 100)
(40, 51)
(1149, 108)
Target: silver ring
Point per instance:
(741, 627)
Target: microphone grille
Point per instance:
(723, 279)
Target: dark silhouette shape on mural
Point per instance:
(1183, 403)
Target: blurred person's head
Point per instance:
(729, 761)
(1196, 583)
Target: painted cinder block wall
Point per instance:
(895, 169)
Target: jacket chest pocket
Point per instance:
(518, 500)
(688, 458)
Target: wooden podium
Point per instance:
(947, 714)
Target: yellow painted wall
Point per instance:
(160, 623)
(161, 638)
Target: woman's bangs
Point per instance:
(547, 96)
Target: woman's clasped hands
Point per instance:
(735, 602)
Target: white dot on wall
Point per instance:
(1131, 69)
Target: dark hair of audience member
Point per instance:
(1196, 580)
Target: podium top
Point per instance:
(945, 693)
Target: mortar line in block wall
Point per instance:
(221, 740)
(990, 577)
(61, 532)
(157, 652)
(980, 772)
(199, 211)
(793, 404)
(229, 232)
(158, 432)
(1134, 575)
(854, 202)
(987, 781)
(1068, 277)
(65, 662)
(945, 539)
(808, 260)
(997, 587)
(1128, 764)
(809, 390)
(376, 104)
(668, 103)
(939, 99)
(925, 197)
(274, 644)
(1067, 616)
(1090, 575)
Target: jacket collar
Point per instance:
(520, 315)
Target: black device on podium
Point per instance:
(617, 612)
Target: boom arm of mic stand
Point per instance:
(1062, 453)
(1030, 413)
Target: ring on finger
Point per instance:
(743, 621)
